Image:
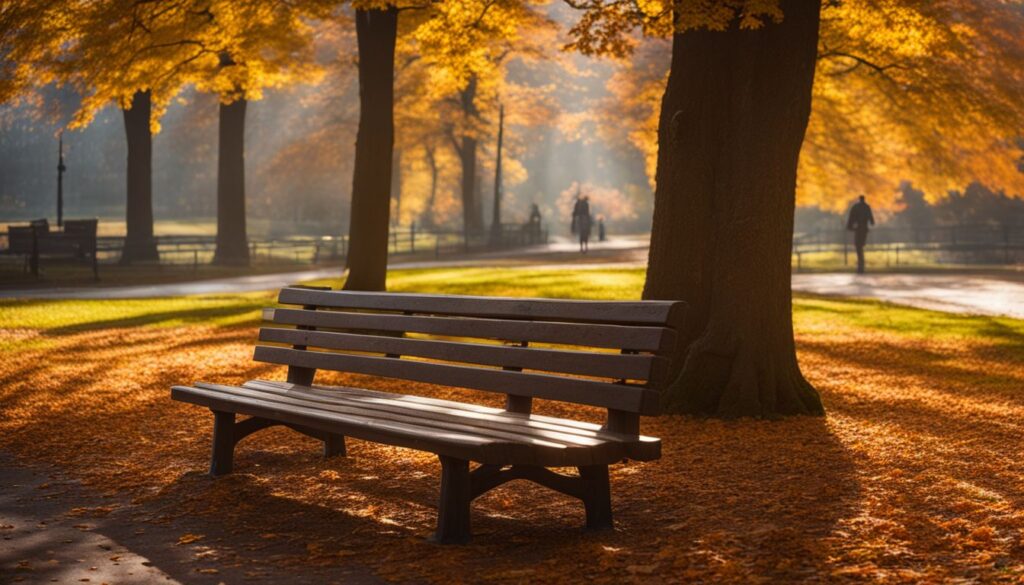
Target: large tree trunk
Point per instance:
(732, 122)
(371, 179)
(139, 244)
(232, 243)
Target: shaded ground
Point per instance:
(55, 530)
(916, 474)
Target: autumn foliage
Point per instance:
(914, 475)
(918, 90)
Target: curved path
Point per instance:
(953, 292)
(972, 293)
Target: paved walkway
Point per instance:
(954, 292)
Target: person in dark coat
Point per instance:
(858, 222)
(581, 219)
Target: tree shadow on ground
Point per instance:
(728, 500)
(201, 316)
(961, 378)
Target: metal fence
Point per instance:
(402, 240)
(962, 244)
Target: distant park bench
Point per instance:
(509, 443)
(77, 242)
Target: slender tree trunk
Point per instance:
(371, 179)
(396, 184)
(427, 219)
(139, 244)
(732, 122)
(232, 243)
(472, 211)
(467, 158)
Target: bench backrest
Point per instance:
(617, 359)
(42, 226)
(78, 238)
(20, 239)
(84, 229)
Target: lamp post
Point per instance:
(60, 180)
(496, 211)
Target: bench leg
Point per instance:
(334, 446)
(221, 462)
(453, 511)
(597, 497)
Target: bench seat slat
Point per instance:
(607, 365)
(622, 397)
(622, 312)
(409, 436)
(487, 445)
(301, 397)
(473, 408)
(638, 338)
(546, 428)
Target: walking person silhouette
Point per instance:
(860, 218)
(581, 221)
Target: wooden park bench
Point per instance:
(616, 363)
(77, 243)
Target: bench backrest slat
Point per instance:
(607, 395)
(466, 342)
(571, 311)
(585, 334)
(603, 365)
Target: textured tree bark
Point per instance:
(371, 179)
(232, 243)
(732, 122)
(139, 244)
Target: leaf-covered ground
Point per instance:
(915, 475)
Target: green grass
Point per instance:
(70, 316)
(613, 283)
(812, 314)
(59, 275)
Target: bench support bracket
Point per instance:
(460, 486)
(227, 433)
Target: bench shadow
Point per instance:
(749, 492)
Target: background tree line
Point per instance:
(751, 106)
